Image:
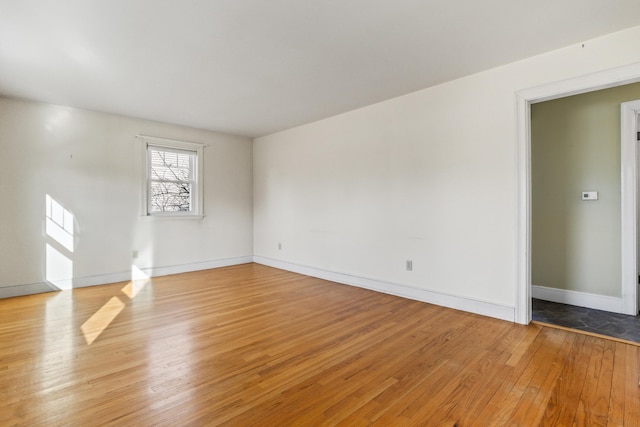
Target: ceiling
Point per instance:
(254, 67)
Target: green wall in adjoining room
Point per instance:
(575, 147)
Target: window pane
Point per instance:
(169, 197)
(171, 166)
(173, 179)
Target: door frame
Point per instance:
(524, 99)
(629, 174)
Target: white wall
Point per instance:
(91, 164)
(430, 176)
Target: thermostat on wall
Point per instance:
(589, 195)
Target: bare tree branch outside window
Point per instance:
(170, 180)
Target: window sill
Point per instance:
(171, 217)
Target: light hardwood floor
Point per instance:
(254, 346)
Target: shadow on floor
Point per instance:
(586, 319)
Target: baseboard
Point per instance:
(82, 282)
(483, 308)
(581, 299)
(185, 268)
(26, 289)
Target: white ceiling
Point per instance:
(254, 67)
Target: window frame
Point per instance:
(197, 179)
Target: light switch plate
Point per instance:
(589, 195)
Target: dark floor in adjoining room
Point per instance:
(586, 319)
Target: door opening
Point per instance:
(525, 98)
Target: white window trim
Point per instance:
(197, 211)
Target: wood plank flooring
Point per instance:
(251, 345)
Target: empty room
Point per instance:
(278, 213)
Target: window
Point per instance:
(170, 179)
(173, 184)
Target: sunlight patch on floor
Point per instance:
(139, 280)
(101, 319)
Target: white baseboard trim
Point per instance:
(483, 308)
(197, 266)
(26, 289)
(581, 299)
(82, 282)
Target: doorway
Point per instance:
(525, 99)
(581, 146)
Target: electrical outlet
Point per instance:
(134, 254)
(409, 265)
(279, 246)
